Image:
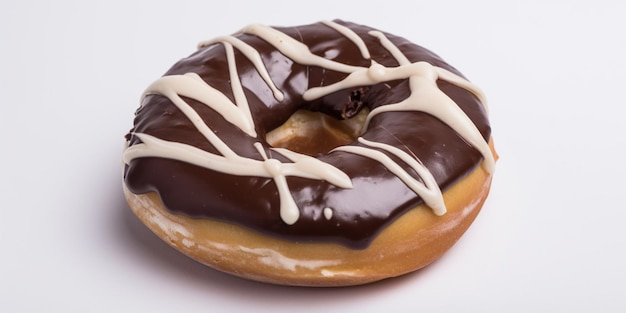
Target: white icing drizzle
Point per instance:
(351, 35)
(252, 55)
(192, 86)
(422, 78)
(429, 190)
(288, 208)
(294, 49)
(441, 72)
(309, 167)
(235, 82)
(328, 213)
(424, 92)
(425, 96)
(387, 44)
(303, 166)
(454, 79)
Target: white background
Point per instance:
(551, 237)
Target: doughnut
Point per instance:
(328, 154)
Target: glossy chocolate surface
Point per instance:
(359, 213)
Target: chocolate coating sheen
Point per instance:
(360, 213)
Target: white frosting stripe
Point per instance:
(289, 211)
(155, 147)
(294, 49)
(192, 86)
(305, 166)
(393, 49)
(425, 97)
(454, 79)
(238, 94)
(429, 190)
(313, 168)
(375, 74)
(252, 55)
(350, 34)
(441, 72)
(425, 93)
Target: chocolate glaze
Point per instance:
(378, 196)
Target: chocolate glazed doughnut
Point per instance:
(215, 164)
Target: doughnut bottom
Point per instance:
(411, 242)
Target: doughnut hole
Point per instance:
(314, 133)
